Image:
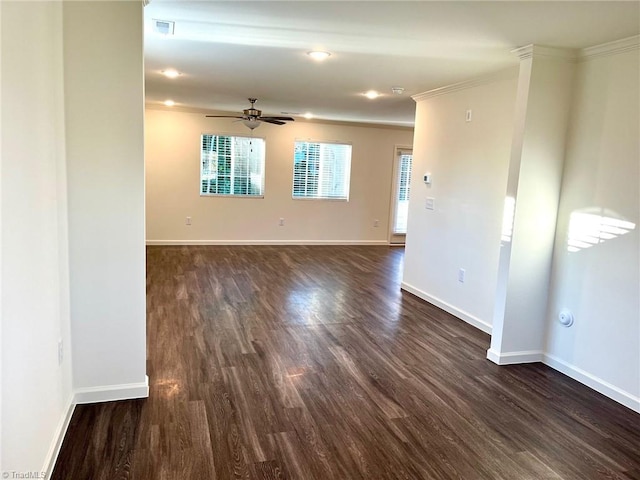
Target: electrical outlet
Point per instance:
(376, 223)
(188, 221)
(461, 275)
(281, 222)
(60, 352)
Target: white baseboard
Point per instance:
(456, 312)
(90, 395)
(582, 376)
(598, 384)
(512, 358)
(56, 444)
(111, 393)
(267, 242)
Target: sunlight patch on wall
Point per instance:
(507, 218)
(587, 229)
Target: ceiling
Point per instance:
(227, 51)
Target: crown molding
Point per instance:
(511, 72)
(299, 120)
(610, 48)
(541, 51)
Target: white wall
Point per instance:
(584, 118)
(469, 163)
(72, 198)
(173, 177)
(601, 284)
(36, 391)
(103, 68)
(1, 264)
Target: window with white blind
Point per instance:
(321, 170)
(232, 165)
(403, 183)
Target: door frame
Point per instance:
(395, 239)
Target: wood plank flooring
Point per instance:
(310, 363)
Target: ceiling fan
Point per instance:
(252, 117)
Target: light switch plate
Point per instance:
(430, 203)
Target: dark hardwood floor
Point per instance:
(310, 363)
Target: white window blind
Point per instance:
(232, 165)
(321, 170)
(402, 189)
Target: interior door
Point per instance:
(400, 195)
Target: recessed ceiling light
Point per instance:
(169, 103)
(371, 94)
(171, 73)
(308, 115)
(319, 55)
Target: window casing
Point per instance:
(321, 170)
(232, 166)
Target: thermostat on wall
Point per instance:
(427, 178)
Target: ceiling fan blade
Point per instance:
(271, 120)
(283, 119)
(223, 116)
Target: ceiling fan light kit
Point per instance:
(251, 124)
(252, 117)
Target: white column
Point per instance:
(104, 96)
(531, 204)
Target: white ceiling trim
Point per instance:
(610, 48)
(529, 51)
(511, 72)
(299, 119)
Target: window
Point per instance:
(403, 183)
(321, 170)
(232, 166)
